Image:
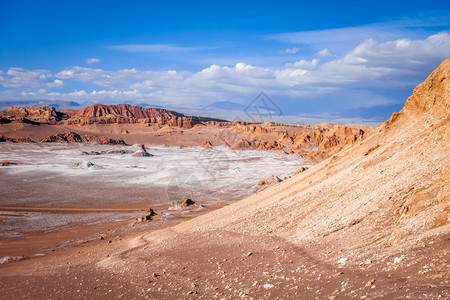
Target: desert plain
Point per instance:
(215, 210)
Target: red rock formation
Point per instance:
(102, 140)
(70, 137)
(73, 137)
(267, 145)
(128, 114)
(15, 140)
(40, 114)
(125, 110)
(242, 144)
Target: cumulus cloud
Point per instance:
(55, 83)
(363, 77)
(400, 53)
(92, 60)
(18, 78)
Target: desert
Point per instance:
(369, 221)
(224, 150)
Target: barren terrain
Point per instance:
(369, 222)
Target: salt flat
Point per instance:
(65, 179)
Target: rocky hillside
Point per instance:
(372, 219)
(370, 222)
(387, 189)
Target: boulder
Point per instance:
(186, 202)
(301, 170)
(141, 152)
(269, 180)
(150, 215)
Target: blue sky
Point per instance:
(347, 61)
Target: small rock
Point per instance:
(268, 286)
(370, 283)
(154, 275)
(8, 163)
(249, 254)
(342, 261)
(270, 180)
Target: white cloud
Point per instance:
(292, 50)
(355, 79)
(325, 53)
(55, 84)
(146, 85)
(18, 78)
(92, 60)
(401, 53)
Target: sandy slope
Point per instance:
(369, 222)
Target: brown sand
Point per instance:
(370, 222)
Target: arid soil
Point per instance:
(370, 222)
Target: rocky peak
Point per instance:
(125, 110)
(430, 99)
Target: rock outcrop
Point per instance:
(149, 216)
(270, 180)
(313, 143)
(73, 137)
(242, 144)
(125, 110)
(39, 114)
(185, 204)
(142, 152)
(128, 114)
(15, 140)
